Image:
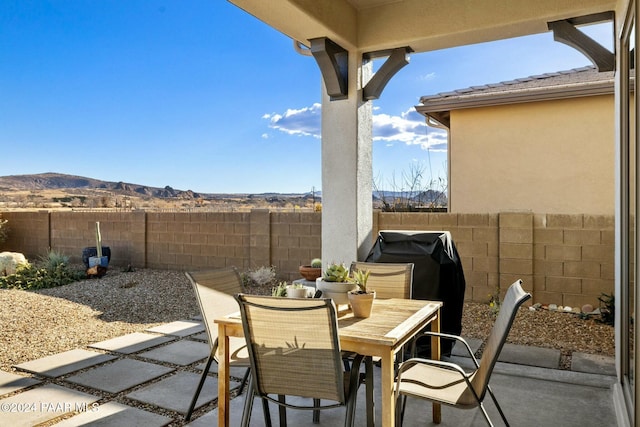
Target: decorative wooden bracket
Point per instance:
(333, 61)
(397, 58)
(564, 31)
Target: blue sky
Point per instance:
(199, 95)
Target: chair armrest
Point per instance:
(445, 336)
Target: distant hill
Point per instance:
(50, 190)
(57, 190)
(56, 181)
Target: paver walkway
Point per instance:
(158, 369)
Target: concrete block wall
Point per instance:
(185, 240)
(573, 258)
(28, 233)
(295, 241)
(562, 259)
(122, 232)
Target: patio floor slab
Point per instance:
(132, 343)
(11, 382)
(180, 328)
(41, 404)
(116, 414)
(593, 363)
(175, 392)
(120, 375)
(184, 352)
(64, 363)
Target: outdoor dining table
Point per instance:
(393, 322)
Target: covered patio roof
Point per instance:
(423, 25)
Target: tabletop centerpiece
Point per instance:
(361, 299)
(335, 283)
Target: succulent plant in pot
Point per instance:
(312, 271)
(296, 290)
(335, 283)
(361, 299)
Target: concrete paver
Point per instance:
(41, 404)
(113, 414)
(175, 392)
(132, 343)
(531, 356)
(11, 382)
(184, 352)
(64, 363)
(120, 375)
(180, 328)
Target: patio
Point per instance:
(147, 378)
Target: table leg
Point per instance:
(435, 355)
(387, 388)
(223, 376)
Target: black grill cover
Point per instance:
(437, 273)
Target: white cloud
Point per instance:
(407, 128)
(427, 77)
(302, 122)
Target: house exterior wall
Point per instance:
(562, 259)
(555, 157)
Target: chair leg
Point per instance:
(495, 401)
(266, 412)
(244, 381)
(486, 416)
(316, 412)
(368, 368)
(282, 411)
(199, 389)
(248, 405)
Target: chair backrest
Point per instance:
(389, 280)
(293, 346)
(215, 291)
(513, 299)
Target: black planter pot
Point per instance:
(92, 252)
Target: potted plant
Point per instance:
(335, 283)
(280, 290)
(296, 290)
(361, 299)
(312, 271)
(99, 259)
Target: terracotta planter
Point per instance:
(361, 304)
(310, 273)
(337, 291)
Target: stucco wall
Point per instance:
(552, 157)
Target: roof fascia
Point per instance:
(516, 97)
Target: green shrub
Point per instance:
(49, 271)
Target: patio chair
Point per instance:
(215, 291)
(446, 382)
(294, 350)
(389, 280)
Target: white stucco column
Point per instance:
(347, 214)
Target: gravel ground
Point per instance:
(41, 323)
